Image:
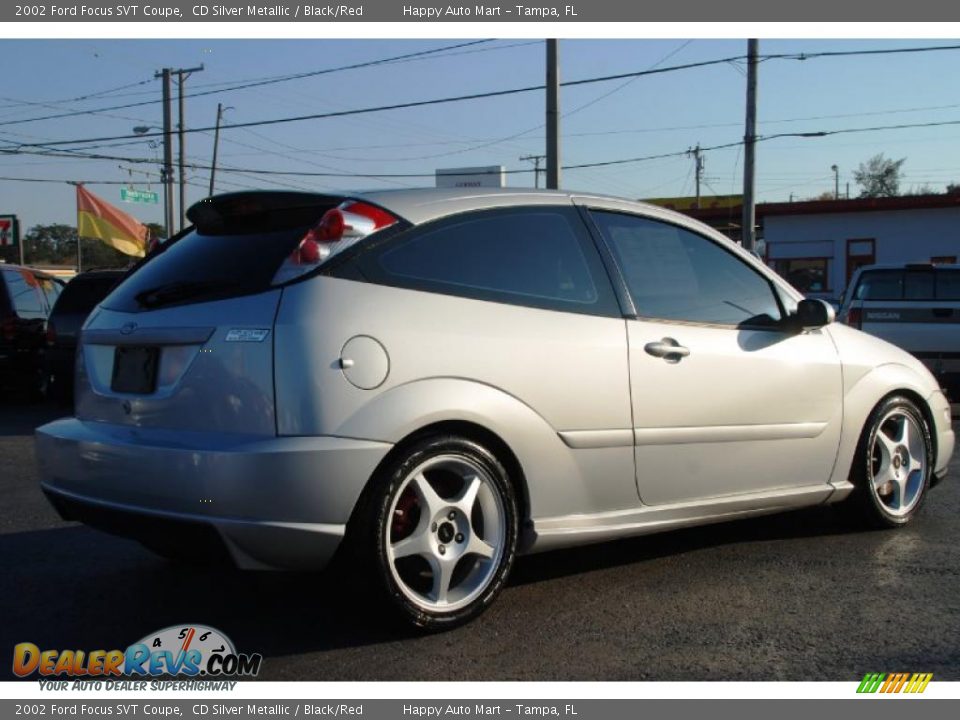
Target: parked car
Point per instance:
(431, 382)
(916, 307)
(78, 298)
(26, 296)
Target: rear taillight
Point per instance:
(339, 228)
(51, 333)
(854, 317)
(8, 327)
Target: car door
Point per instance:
(727, 399)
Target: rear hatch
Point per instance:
(185, 342)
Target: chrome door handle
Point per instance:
(668, 349)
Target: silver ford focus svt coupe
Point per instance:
(425, 383)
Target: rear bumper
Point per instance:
(268, 503)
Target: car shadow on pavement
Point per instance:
(72, 587)
(806, 523)
(22, 416)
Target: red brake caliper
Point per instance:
(403, 516)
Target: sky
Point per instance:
(617, 120)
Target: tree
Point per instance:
(879, 177)
(157, 230)
(57, 245)
(50, 244)
(953, 188)
(922, 189)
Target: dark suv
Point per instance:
(81, 295)
(26, 296)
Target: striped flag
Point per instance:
(101, 220)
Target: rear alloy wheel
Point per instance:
(892, 473)
(446, 531)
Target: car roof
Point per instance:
(97, 274)
(910, 266)
(36, 271)
(420, 205)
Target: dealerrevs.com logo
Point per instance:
(179, 650)
(894, 683)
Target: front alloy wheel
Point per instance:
(893, 473)
(446, 531)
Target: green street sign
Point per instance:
(138, 196)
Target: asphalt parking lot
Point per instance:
(790, 597)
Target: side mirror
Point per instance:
(813, 314)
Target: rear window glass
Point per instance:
(200, 267)
(51, 289)
(82, 294)
(880, 285)
(24, 290)
(917, 285)
(948, 285)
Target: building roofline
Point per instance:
(825, 207)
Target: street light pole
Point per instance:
(836, 182)
(182, 75)
(216, 143)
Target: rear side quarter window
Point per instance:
(541, 257)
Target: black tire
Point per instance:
(372, 533)
(892, 504)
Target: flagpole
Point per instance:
(77, 201)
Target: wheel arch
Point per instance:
(864, 397)
(479, 434)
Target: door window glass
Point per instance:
(675, 274)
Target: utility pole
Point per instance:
(749, 220)
(167, 171)
(697, 155)
(216, 143)
(535, 159)
(836, 182)
(553, 115)
(182, 76)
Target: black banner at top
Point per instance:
(426, 11)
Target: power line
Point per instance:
(578, 166)
(79, 98)
(852, 53)
(258, 83)
(400, 58)
(53, 180)
(401, 106)
(502, 93)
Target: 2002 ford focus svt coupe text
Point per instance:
(429, 382)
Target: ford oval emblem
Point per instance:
(128, 328)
